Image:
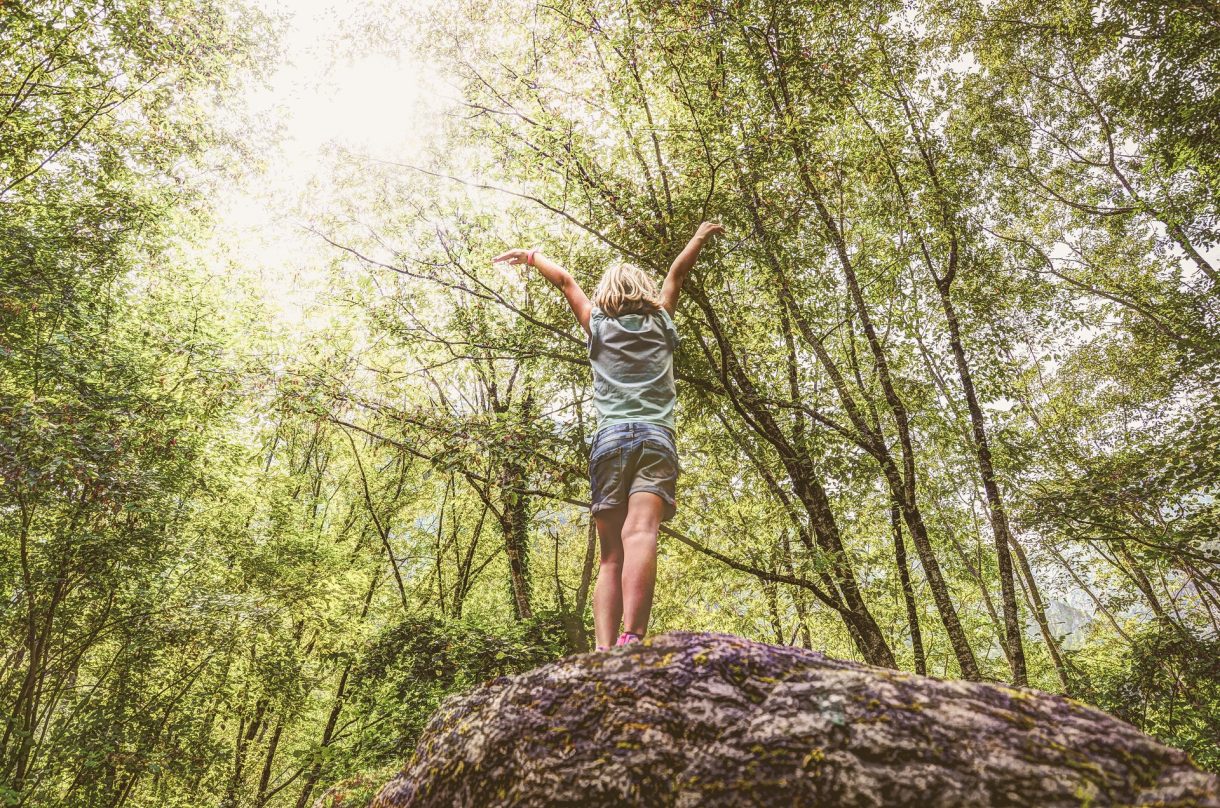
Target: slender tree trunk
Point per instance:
(465, 565)
(29, 698)
(1001, 534)
(936, 582)
(382, 531)
(514, 524)
(245, 735)
(874, 646)
(976, 573)
(1135, 572)
(831, 595)
(1000, 531)
(1038, 607)
(908, 592)
(783, 105)
(771, 595)
(336, 709)
(586, 583)
(264, 780)
(798, 597)
(514, 510)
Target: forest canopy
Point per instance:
(285, 460)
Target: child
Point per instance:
(633, 463)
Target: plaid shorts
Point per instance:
(626, 458)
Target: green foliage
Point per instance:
(1165, 683)
(412, 666)
(241, 564)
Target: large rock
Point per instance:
(713, 720)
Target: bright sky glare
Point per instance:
(326, 96)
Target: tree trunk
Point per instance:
(798, 597)
(1002, 535)
(514, 525)
(336, 709)
(514, 510)
(1038, 607)
(264, 780)
(586, 583)
(908, 592)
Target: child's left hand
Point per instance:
(707, 230)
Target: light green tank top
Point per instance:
(633, 367)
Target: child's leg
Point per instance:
(639, 542)
(608, 594)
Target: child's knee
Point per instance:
(642, 538)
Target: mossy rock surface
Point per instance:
(689, 720)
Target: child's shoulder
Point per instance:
(660, 311)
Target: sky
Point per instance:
(327, 94)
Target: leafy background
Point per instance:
(284, 460)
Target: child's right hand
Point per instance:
(707, 230)
(514, 257)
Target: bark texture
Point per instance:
(714, 720)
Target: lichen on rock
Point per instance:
(688, 719)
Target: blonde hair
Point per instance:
(626, 289)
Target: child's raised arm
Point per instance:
(558, 276)
(681, 266)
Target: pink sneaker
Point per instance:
(627, 638)
(603, 648)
